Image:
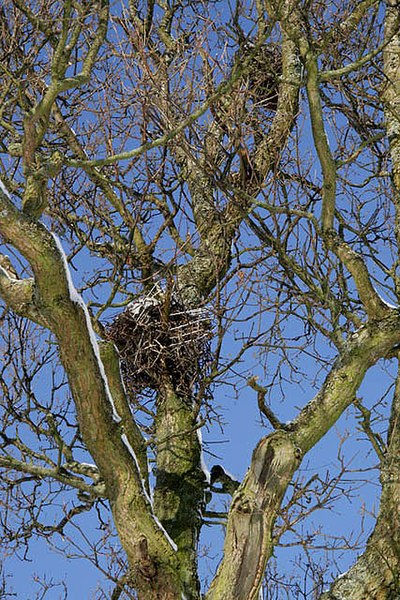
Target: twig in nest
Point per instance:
(151, 345)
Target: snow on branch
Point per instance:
(77, 298)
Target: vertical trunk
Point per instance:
(391, 103)
(249, 539)
(179, 491)
(376, 574)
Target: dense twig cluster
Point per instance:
(262, 79)
(159, 336)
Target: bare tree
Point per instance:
(221, 182)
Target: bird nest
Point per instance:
(262, 78)
(158, 338)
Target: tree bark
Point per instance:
(376, 574)
(256, 504)
(180, 482)
(152, 558)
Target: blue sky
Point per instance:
(242, 429)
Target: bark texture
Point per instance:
(256, 504)
(215, 182)
(376, 574)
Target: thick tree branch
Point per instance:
(211, 261)
(248, 542)
(18, 294)
(109, 356)
(101, 426)
(326, 159)
(180, 483)
(270, 148)
(11, 463)
(391, 103)
(374, 306)
(375, 575)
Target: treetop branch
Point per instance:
(223, 89)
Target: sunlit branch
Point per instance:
(357, 64)
(264, 409)
(365, 421)
(321, 142)
(224, 88)
(375, 307)
(65, 478)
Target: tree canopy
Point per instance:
(199, 201)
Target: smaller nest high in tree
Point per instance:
(158, 337)
(262, 79)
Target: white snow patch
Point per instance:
(203, 464)
(4, 212)
(138, 306)
(77, 298)
(385, 302)
(342, 575)
(171, 541)
(4, 190)
(131, 451)
(204, 468)
(88, 466)
(121, 376)
(231, 475)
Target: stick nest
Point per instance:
(156, 338)
(262, 79)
